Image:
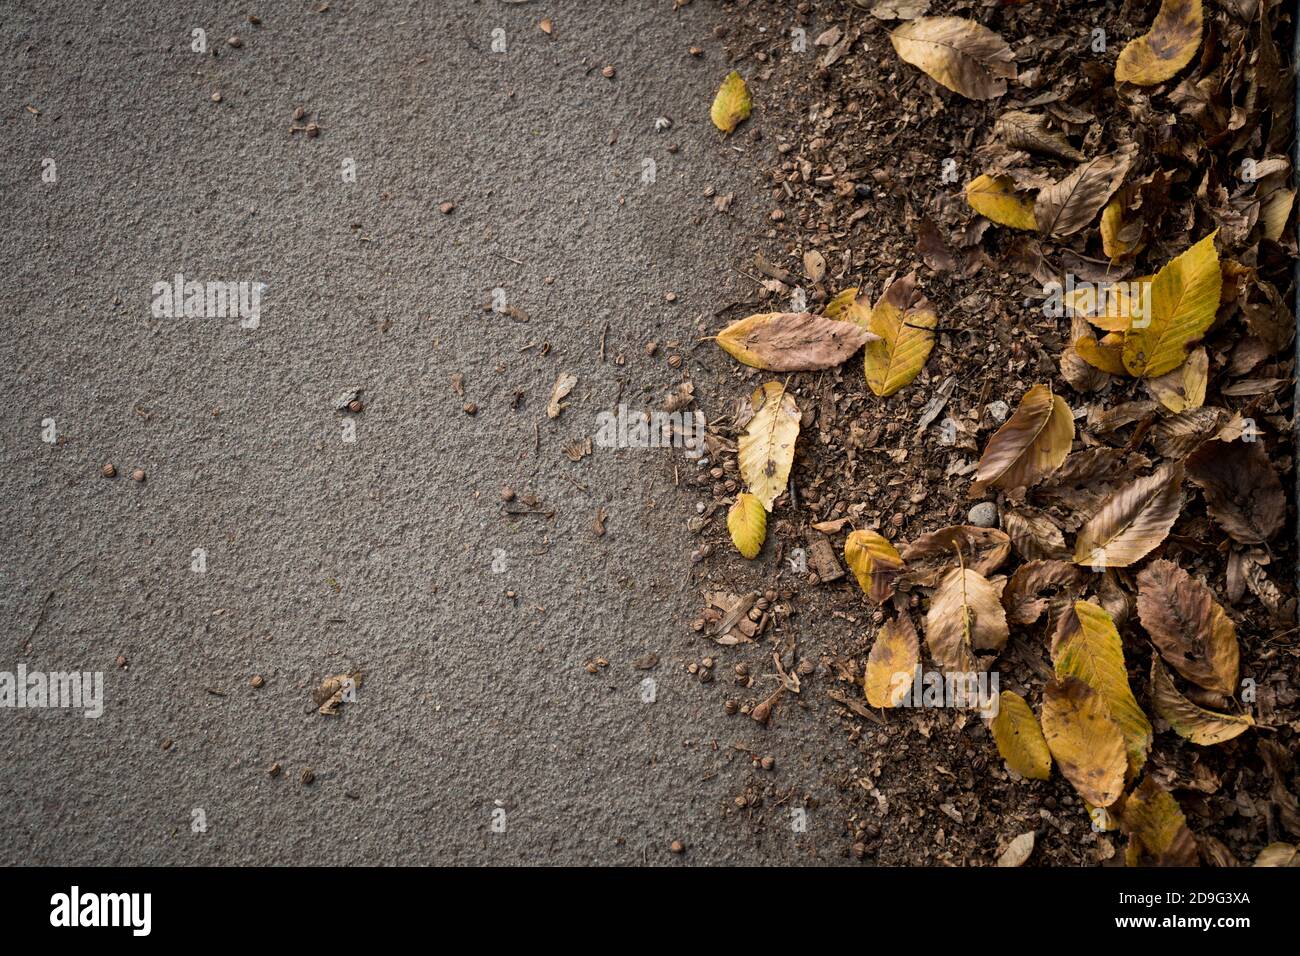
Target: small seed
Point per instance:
(308, 776)
(675, 361)
(274, 770)
(216, 97)
(469, 408)
(507, 493)
(777, 215)
(730, 708)
(355, 405)
(677, 846)
(299, 112)
(768, 763)
(138, 475)
(607, 73)
(109, 470)
(121, 660)
(446, 207)
(257, 680)
(236, 42)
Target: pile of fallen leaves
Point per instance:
(1169, 230)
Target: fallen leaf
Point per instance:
(766, 449)
(1023, 598)
(1094, 653)
(560, 391)
(1166, 48)
(995, 198)
(965, 616)
(1029, 446)
(930, 557)
(335, 691)
(1243, 493)
(1184, 387)
(1021, 130)
(1034, 535)
(874, 562)
(732, 104)
(1200, 726)
(1020, 739)
(1188, 627)
(1133, 521)
(747, 523)
(1083, 739)
(1183, 298)
(891, 665)
(899, 9)
(965, 56)
(1156, 828)
(902, 323)
(792, 341)
(1018, 850)
(1065, 207)
(1278, 854)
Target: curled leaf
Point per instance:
(1200, 726)
(1029, 446)
(874, 562)
(1065, 207)
(930, 557)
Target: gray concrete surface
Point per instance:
(323, 555)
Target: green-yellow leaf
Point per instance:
(1166, 48)
(1157, 829)
(747, 522)
(766, 449)
(874, 562)
(732, 104)
(1183, 299)
(905, 323)
(1020, 739)
(995, 198)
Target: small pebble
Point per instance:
(216, 97)
(677, 846)
(507, 493)
(446, 207)
(983, 515)
(236, 42)
(607, 72)
(274, 770)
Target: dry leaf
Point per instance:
(1188, 627)
(904, 322)
(1021, 130)
(747, 523)
(334, 691)
(1083, 739)
(1166, 48)
(1183, 388)
(874, 562)
(766, 450)
(995, 198)
(1243, 493)
(930, 557)
(891, 665)
(1034, 535)
(1065, 207)
(1156, 828)
(732, 104)
(1020, 849)
(1278, 854)
(792, 341)
(965, 56)
(1094, 653)
(1183, 298)
(1019, 738)
(965, 616)
(1022, 596)
(1133, 521)
(1029, 446)
(1200, 726)
(560, 391)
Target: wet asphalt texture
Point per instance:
(389, 554)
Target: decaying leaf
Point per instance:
(1278, 854)
(1188, 626)
(1166, 48)
(1021, 130)
(891, 665)
(766, 449)
(1184, 387)
(965, 616)
(792, 341)
(1156, 828)
(1183, 298)
(732, 104)
(1065, 207)
(1242, 490)
(335, 691)
(903, 323)
(1018, 850)
(1083, 739)
(564, 383)
(747, 523)
(1133, 521)
(995, 198)
(965, 56)
(1029, 446)
(874, 562)
(930, 557)
(1200, 726)
(1094, 653)
(1023, 598)
(1019, 738)
(1034, 535)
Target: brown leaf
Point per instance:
(1030, 446)
(1064, 208)
(1021, 130)
(1242, 490)
(1156, 828)
(1034, 535)
(961, 54)
(1023, 595)
(1188, 626)
(965, 616)
(1133, 521)
(792, 341)
(1202, 727)
(931, 556)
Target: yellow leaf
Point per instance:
(1030, 446)
(874, 563)
(891, 665)
(1110, 306)
(965, 616)
(766, 450)
(747, 522)
(1106, 354)
(1112, 224)
(1095, 654)
(732, 104)
(1019, 738)
(1157, 828)
(840, 302)
(1183, 388)
(905, 323)
(995, 198)
(1184, 297)
(965, 56)
(1166, 48)
(1132, 521)
(1083, 739)
(1278, 854)
(1200, 726)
